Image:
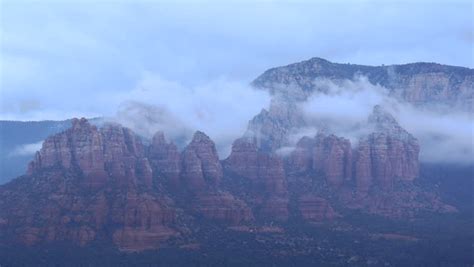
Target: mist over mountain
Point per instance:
(433, 102)
(344, 150)
(236, 133)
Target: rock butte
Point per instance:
(85, 181)
(88, 184)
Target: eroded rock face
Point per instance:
(416, 83)
(124, 156)
(146, 220)
(201, 166)
(165, 160)
(80, 147)
(263, 175)
(315, 209)
(88, 184)
(265, 171)
(270, 129)
(387, 155)
(82, 182)
(383, 157)
(202, 175)
(328, 155)
(222, 207)
(333, 157)
(301, 158)
(113, 152)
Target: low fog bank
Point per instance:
(26, 149)
(221, 109)
(343, 108)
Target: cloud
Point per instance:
(344, 107)
(26, 149)
(220, 108)
(444, 137)
(90, 48)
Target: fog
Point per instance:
(26, 149)
(221, 109)
(345, 107)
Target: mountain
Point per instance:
(417, 83)
(427, 86)
(99, 194)
(88, 184)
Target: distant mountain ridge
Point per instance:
(417, 83)
(107, 187)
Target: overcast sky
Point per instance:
(81, 58)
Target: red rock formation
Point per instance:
(328, 155)
(165, 160)
(113, 152)
(201, 166)
(265, 175)
(389, 154)
(381, 159)
(80, 147)
(124, 155)
(301, 159)
(83, 181)
(333, 157)
(363, 166)
(313, 208)
(145, 219)
(417, 83)
(222, 207)
(270, 128)
(202, 174)
(265, 171)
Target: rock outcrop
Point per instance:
(315, 209)
(387, 155)
(383, 157)
(80, 148)
(327, 155)
(259, 177)
(222, 207)
(201, 166)
(165, 160)
(114, 152)
(416, 83)
(202, 175)
(87, 184)
(270, 129)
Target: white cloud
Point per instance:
(26, 149)
(344, 109)
(220, 108)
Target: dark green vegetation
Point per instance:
(443, 241)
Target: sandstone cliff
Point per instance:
(87, 184)
(202, 175)
(417, 83)
(259, 177)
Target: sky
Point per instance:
(62, 59)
